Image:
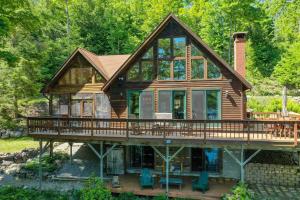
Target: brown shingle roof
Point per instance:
(111, 63)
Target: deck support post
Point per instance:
(51, 149)
(167, 170)
(71, 152)
(101, 155)
(167, 158)
(241, 162)
(101, 160)
(40, 164)
(242, 165)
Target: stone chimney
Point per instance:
(240, 52)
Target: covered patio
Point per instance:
(130, 183)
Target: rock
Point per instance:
(6, 163)
(16, 133)
(13, 169)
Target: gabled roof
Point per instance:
(155, 33)
(105, 65)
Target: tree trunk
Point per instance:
(284, 101)
(68, 18)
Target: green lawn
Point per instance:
(12, 145)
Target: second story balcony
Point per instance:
(157, 130)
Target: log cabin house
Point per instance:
(173, 106)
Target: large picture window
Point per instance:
(171, 58)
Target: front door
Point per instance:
(197, 159)
(115, 161)
(178, 104)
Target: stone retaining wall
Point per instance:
(285, 175)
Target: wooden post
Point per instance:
(295, 134)
(101, 160)
(127, 129)
(167, 170)
(242, 165)
(205, 131)
(248, 132)
(71, 153)
(51, 149)
(40, 165)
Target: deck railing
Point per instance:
(224, 130)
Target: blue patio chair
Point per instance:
(146, 178)
(201, 183)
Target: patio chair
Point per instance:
(146, 178)
(201, 183)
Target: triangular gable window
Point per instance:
(202, 67)
(80, 72)
(142, 70)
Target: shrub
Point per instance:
(49, 164)
(239, 192)
(94, 189)
(127, 196)
(17, 193)
(271, 105)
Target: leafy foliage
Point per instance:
(48, 163)
(95, 190)
(272, 105)
(239, 192)
(16, 193)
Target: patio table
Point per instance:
(172, 181)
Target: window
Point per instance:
(60, 104)
(172, 102)
(133, 73)
(82, 105)
(164, 48)
(208, 159)
(147, 70)
(148, 54)
(164, 71)
(140, 104)
(133, 104)
(179, 46)
(165, 101)
(213, 104)
(195, 51)
(197, 68)
(213, 72)
(206, 104)
(179, 69)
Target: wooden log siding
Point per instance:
(203, 130)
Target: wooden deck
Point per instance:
(195, 131)
(130, 183)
